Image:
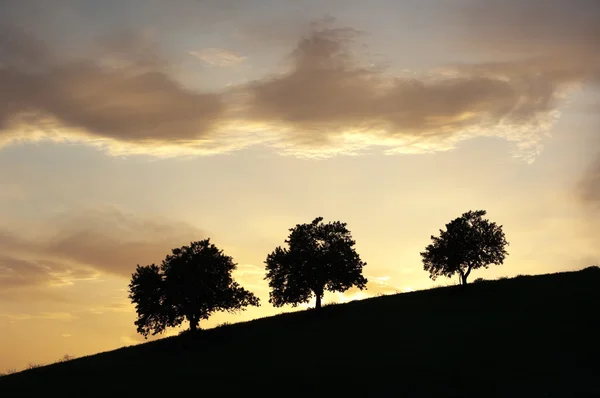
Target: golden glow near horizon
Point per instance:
(238, 120)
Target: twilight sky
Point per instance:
(129, 127)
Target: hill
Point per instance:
(527, 336)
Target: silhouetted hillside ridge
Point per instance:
(525, 336)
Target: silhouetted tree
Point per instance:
(469, 242)
(320, 257)
(146, 291)
(191, 283)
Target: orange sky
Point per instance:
(129, 128)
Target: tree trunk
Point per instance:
(464, 276)
(318, 304)
(193, 324)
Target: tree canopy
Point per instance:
(320, 257)
(191, 283)
(469, 242)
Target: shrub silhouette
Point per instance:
(469, 242)
(190, 284)
(320, 257)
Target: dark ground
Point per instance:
(531, 336)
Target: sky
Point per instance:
(131, 127)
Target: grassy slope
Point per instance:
(526, 336)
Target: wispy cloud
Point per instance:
(218, 57)
(547, 46)
(82, 246)
(19, 272)
(55, 316)
(115, 306)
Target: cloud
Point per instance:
(545, 44)
(550, 45)
(31, 293)
(55, 316)
(82, 246)
(329, 100)
(114, 242)
(251, 277)
(218, 57)
(121, 306)
(18, 272)
(249, 270)
(124, 94)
